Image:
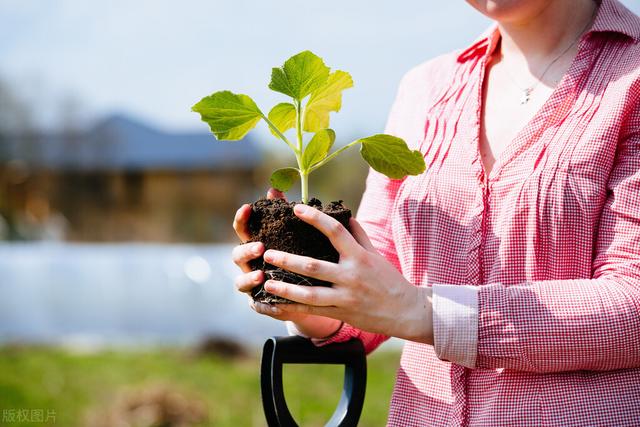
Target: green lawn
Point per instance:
(92, 389)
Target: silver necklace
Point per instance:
(527, 91)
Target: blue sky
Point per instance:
(154, 59)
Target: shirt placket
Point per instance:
(479, 225)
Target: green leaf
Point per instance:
(391, 156)
(300, 75)
(325, 99)
(230, 116)
(283, 116)
(318, 147)
(283, 179)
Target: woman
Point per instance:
(512, 266)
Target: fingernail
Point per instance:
(300, 208)
(255, 249)
(257, 275)
(275, 310)
(268, 255)
(270, 286)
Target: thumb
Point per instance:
(360, 235)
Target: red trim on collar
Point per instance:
(488, 39)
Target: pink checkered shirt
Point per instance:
(535, 275)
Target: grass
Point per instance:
(83, 389)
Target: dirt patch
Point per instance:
(152, 405)
(219, 346)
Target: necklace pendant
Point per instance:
(526, 95)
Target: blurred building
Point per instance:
(123, 180)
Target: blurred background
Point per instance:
(117, 305)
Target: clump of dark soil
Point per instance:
(273, 223)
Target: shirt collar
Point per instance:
(614, 17)
(489, 38)
(611, 17)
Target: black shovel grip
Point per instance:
(296, 349)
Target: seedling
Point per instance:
(305, 77)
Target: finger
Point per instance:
(339, 236)
(273, 311)
(307, 266)
(240, 222)
(246, 282)
(255, 306)
(242, 254)
(275, 194)
(360, 235)
(310, 295)
(267, 309)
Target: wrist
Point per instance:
(419, 318)
(335, 330)
(318, 326)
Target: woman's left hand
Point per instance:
(368, 292)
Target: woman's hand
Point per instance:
(368, 292)
(308, 324)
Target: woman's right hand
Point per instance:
(310, 325)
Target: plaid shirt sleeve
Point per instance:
(580, 324)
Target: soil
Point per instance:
(273, 223)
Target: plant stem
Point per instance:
(304, 174)
(304, 181)
(332, 155)
(280, 134)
